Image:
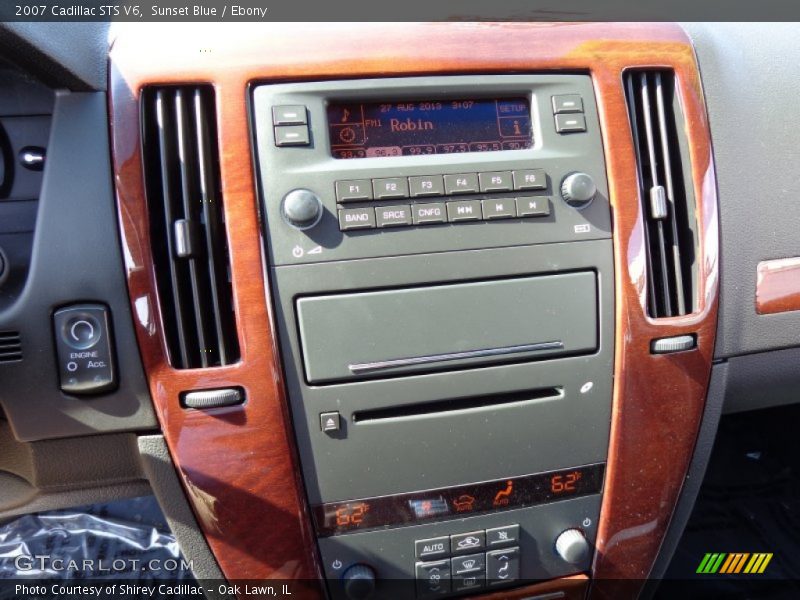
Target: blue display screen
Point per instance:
(362, 130)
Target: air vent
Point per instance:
(10, 347)
(665, 191)
(187, 225)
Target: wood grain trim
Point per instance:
(239, 465)
(566, 588)
(778, 286)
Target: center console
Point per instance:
(441, 268)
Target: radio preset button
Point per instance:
(567, 103)
(496, 181)
(501, 208)
(356, 218)
(394, 216)
(465, 210)
(429, 213)
(502, 536)
(463, 183)
(432, 548)
(570, 123)
(465, 543)
(291, 135)
(389, 188)
(353, 190)
(294, 114)
(533, 206)
(426, 185)
(530, 179)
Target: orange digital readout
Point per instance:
(351, 515)
(560, 484)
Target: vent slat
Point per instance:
(217, 256)
(667, 199)
(653, 162)
(634, 111)
(670, 189)
(166, 151)
(189, 244)
(187, 161)
(10, 347)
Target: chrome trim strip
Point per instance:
(436, 358)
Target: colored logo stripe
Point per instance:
(711, 563)
(758, 563)
(734, 563)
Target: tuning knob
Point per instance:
(572, 546)
(578, 189)
(359, 582)
(302, 209)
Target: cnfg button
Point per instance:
(429, 213)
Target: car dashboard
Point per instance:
(413, 310)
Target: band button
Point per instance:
(356, 218)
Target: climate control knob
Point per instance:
(578, 189)
(572, 546)
(302, 209)
(359, 582)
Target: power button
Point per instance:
(85, 353)
(81, 331)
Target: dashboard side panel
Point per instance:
(778, 286)
(238, 465)
(748, 69)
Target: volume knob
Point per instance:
(359, 582)
(572, 546)
(302, 209)
(578, 189)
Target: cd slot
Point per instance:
(438, 407)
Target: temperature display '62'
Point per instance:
(403, 509)
(362, 130)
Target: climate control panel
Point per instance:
(465, 556)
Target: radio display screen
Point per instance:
(406, 509)
(359, 130)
